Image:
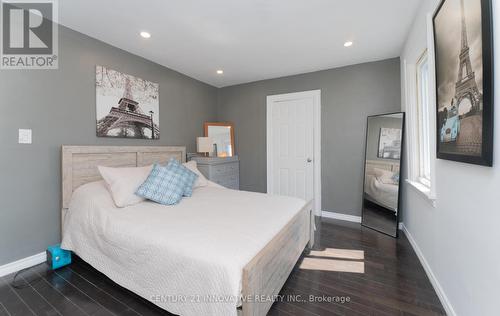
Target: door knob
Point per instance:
(309, 160)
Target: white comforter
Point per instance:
(180, 256)
(382, 193)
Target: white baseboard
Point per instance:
(342, 217)
(348, 218)
(22, 264)
(434, 281)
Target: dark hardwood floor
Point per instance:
(351, 271)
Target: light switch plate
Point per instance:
(25, 136)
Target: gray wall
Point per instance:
(348, 96)
(457, 237)
(59, 105)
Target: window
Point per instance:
(419, 103)
(423, 172)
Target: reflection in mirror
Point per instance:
(222, 135)
(384, 138)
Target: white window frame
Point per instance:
(423, 173)
(423, 185)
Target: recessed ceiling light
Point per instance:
(348, 44)
(145, 34)
(220, 72)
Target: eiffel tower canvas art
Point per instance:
(126, 106)
(464, 95)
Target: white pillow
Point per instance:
(124, 182)
(381, 173)
(201, 181)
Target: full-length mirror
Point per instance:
(222, 136)
(384, 139)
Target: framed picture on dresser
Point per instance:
(464, 81)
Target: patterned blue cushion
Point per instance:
(163, 186)
(188, 177)
(395, 178)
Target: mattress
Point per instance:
(382, 193)
(187, 258)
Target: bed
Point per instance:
(383, 193)
(220, 252)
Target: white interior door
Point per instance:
(291, 144)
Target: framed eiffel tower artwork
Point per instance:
(464, 81)
(126, 106)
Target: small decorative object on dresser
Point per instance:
(221, 170)
(204, 145)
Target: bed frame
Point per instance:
(263, 277)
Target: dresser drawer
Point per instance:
(234, 185)
(224, 169)
(226, 178)
(229, 183)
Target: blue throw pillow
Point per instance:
(162, 186)
(395, 178)
(187, 176)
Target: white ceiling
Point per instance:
(249, 39)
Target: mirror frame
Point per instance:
(400, 168)
(230, 124)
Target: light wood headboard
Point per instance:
(79, 163)
(384, 165)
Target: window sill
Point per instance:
(423, 191)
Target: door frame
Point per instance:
(316, 95)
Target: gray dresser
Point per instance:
(223, 171)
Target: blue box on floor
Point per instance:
(57, 257)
